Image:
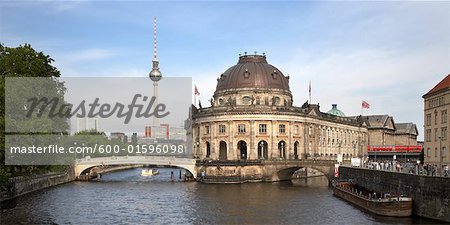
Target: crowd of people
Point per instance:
(408, 167)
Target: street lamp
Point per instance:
(440, 155)
(261, 155)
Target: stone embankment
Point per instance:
(18, 186)
(431, 195)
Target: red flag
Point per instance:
(365, 105)
(196, 91)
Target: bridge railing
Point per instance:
(125, 159)
(228, 162)
(262, 161)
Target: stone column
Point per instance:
(270, 152)
(290, 149)
(305, 140)
(231, 155)
(214, 147)
(251, 150)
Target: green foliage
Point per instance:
(24, 61)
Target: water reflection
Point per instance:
(126, 197)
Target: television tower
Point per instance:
(155, 75)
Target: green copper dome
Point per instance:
(335, 111)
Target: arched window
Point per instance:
(296, 150)
(208, 150)
(223, 150)
(242, 149)
(263, 150)
(282, 149)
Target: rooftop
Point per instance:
(444, 84)
(252, 72)
(335, 111)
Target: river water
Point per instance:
(126, 197)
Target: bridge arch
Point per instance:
(86, 164)
(285, 173)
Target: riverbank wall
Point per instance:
(431, 195)
(18, 186)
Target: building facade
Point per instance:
(436, 123)
(383, 131)
(389, 140)
(252, 118)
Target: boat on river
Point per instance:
(380, 204)
(149, 172)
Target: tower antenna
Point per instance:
(155, 57)
(155, 75)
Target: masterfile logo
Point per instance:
(44, 105)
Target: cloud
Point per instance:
(74, 63)
(50, 6)
(89, 55)
(392, 80)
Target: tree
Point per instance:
(134, 139)
(24, 61)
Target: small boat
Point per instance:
(149, 172)
(386, 205)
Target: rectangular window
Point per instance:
(435, 152)
(222, 129)
(206, 129)
(428, 120)
(428, 152)
(436, 135)
(444, 133)
(241, 128)
(263, 128)
(444, 116)
(435, 118)
(296, 129)
(428, 135)
(282, 129)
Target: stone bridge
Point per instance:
(259, 170)
(84, 165)
(283, 170)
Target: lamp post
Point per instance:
(340, 155)
(440, 155)
(261, 144)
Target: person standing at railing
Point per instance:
(446, 171)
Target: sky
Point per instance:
(386, 53)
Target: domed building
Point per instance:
(335, 111)
(252, 121)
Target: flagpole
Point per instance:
(310, 92)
